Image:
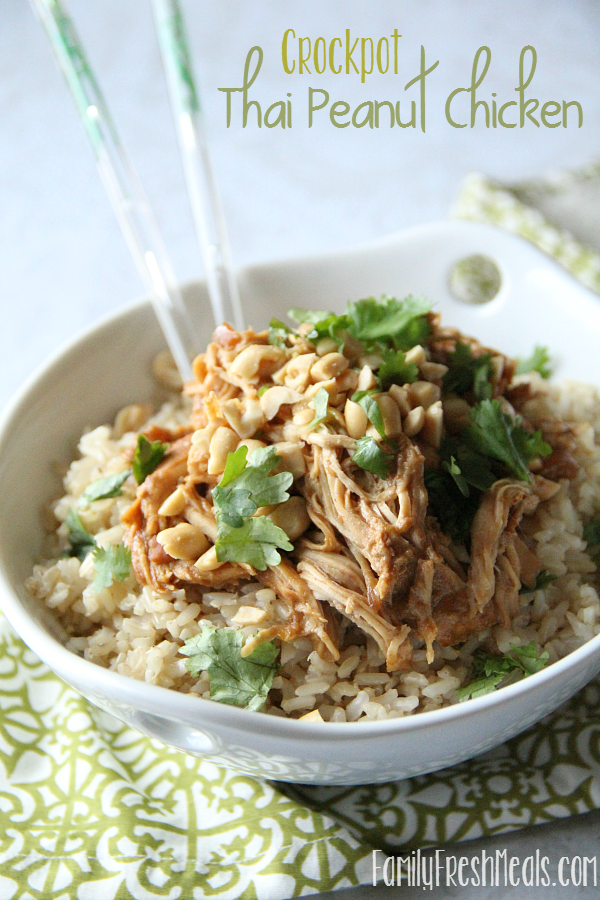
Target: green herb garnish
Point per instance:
(278, 332)
(80, 540)
(370, 456)
(468, 373)
(395, 370)
(371, 407)
(104, 488)
(321, 404)
(494, 434)
(453, 508)
(400, 324)
(489, 669)
(539, 361)
(147, 457)
(111, 564)
(246, 484)
(543, 579)
(234, 679)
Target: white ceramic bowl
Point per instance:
(109, 366)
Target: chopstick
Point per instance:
(193, 143)
(123, 186)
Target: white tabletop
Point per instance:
(288, 192)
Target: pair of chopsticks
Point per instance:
(123, 186)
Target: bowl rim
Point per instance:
(151, 698)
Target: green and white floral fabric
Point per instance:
(90, 809)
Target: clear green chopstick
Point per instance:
(191, 131)
(123, 186)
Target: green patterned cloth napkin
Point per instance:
(90, 809)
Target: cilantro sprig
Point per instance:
(80, 540)
(321, 404)
(234, 679)
(468, 373)
(386, 322)
(367, 400)
(539, 361)
(395, 370)
(245, 485)
(104, 488)
(111, 564)
(147, 456)
(489, 669)
(278, 332)
(494, 434)
(371, 457)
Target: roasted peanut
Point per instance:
(257, 360)
(366, 379)
(432, 371)
(329, 366)
(291, 516)
(296, 374)
(275, 397)
(356, 419)
(400, 398)
(183, 541)
(416, 355)
(223, 442)
(292, 458)
(423, 393)
(434, 424)
(249, 615)
(208, 561)
(414, 421)
(390, 414)
(325, 346)
(174, 504)
(245, 416)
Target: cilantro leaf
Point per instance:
(104, 488)
(395, 370)
(490, 669)
(474, 467)
(111, 564)
(321, 404)
(404, 323)
(468, 373)
(492, 433)
(591, 533)
(453, 509)
(539, 361)
(542, 581)
(527, 658)
(246, 485)
(234, 679)
(278, 332)
(453, 469)
(401, 323)
(146, 457)
(256, 542)
(530, 444)
(312, 316)
(370, 457)
(371, 407)
(80, 539)
(479, 687)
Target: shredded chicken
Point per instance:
(367, 549)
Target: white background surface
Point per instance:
(63, 262)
